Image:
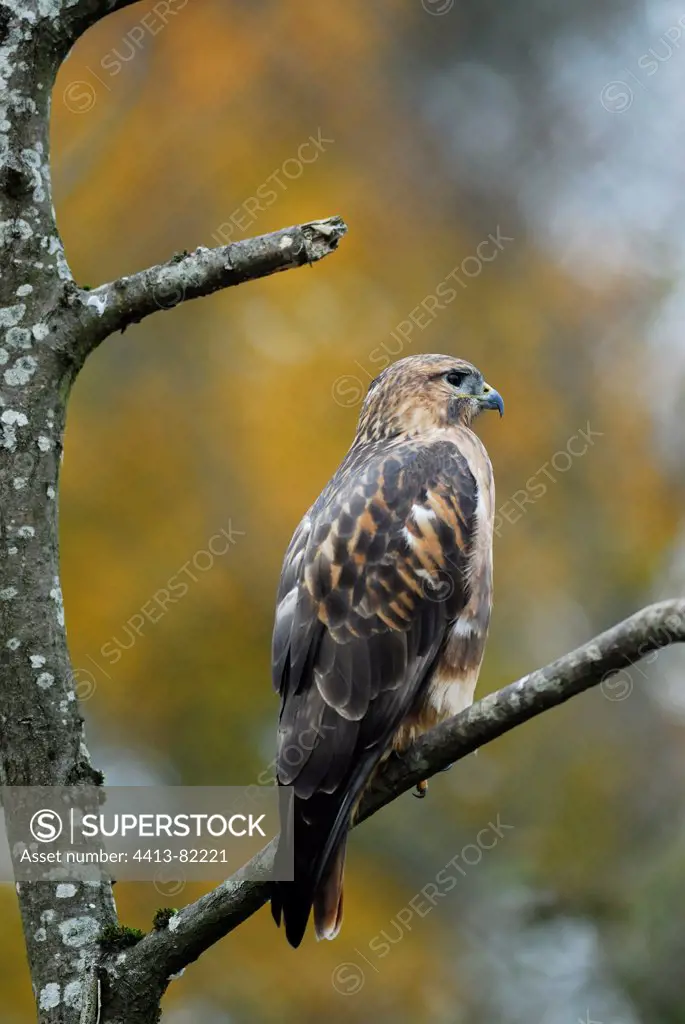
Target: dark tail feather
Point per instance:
(320, 838)
(293, 903)
(318, 876)
(328, 898)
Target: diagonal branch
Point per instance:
(112, 307)
(595, 663)
(199, 925)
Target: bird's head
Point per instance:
(424, 392)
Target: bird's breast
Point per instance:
(453, 681)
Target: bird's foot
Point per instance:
(421, 789)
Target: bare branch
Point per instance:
(163, 952)
(199, 925)
(112, 307)
(615, 650)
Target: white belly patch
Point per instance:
(447, 698)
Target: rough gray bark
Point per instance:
(41, 738)
(48, 326)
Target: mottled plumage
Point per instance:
(382, 610)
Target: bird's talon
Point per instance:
(421, 789)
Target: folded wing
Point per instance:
(373, 578)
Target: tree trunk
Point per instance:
(41, 730)
(48, 326)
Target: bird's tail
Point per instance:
(317, 830)
(318, 873)
(328, 897)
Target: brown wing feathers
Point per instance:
(361, 618)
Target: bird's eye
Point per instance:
(456, 378)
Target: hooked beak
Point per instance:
(491, 399)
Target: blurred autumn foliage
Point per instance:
(431, 129)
